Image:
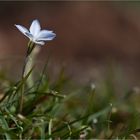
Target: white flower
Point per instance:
(35, 34)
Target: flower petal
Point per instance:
(35, 27)
(45, 35)
(39, 42)
(22, 29)
(29, 35)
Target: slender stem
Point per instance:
(50, 128)
(31, 46)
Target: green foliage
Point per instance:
(65, 110)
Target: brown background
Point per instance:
(91, 37)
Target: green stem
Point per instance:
(50, 128)
(31, 46)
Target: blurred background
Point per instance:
(94, 40)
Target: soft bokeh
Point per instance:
(92, 37)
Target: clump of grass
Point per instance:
(63, 110)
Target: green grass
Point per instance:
(66, 110)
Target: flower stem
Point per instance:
(25, 70)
